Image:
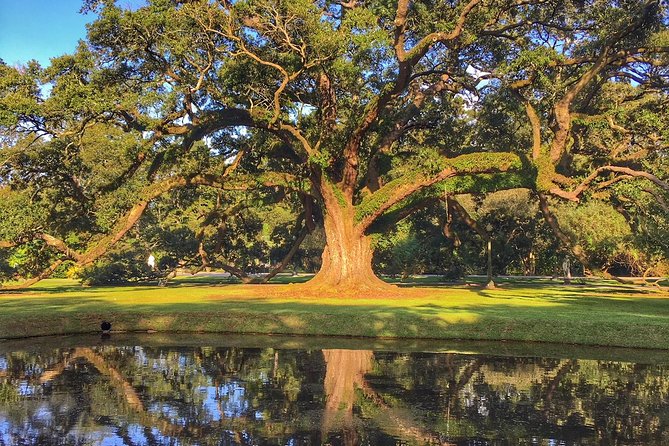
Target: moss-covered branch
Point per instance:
(466, 184)
(399, 189)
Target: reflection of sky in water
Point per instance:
(136, 432)
(167, 410)
(140, 356)
(232, 398)
(104, 437)
(233, 402)
(43, 413)
(111, 441)
(5, 427)
(3, 363)
(210, 403)
(12, 433)
(26, 389)
(155, 432)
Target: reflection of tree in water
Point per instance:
(519, 398)
(345, 385)
(344, 373)
(38, 415)
(265, 396)
(154, 396)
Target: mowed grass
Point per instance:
(598, 313)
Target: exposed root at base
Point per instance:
(321, 290)
(356, 290)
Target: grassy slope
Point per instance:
(600, 314)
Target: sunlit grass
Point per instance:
(602, 313)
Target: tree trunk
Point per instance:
(347, 257)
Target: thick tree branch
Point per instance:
(465, 217)
(427, 42)
(535, 122)
(60, 245)
(564, 239)
(128, 220)
(351, 149)
(575, 194)
(401, 15)
(397, 190)
(407, 60)
(328, 104)
(303, 232)
(659, 199)
(561, 110)
(42, 275)
(297, 134)
(418, 97)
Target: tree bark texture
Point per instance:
(347, 257)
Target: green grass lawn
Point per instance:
(598, 313)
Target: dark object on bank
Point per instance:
(105, 326)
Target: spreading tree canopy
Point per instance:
(365, 110)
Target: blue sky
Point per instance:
(40, 29)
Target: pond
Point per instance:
(222, 390)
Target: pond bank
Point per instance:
(290, 342)
(601, 314)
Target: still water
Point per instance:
(123, 391)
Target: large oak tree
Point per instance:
(367, 109)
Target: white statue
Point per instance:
(151, 262)
(566, 269)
